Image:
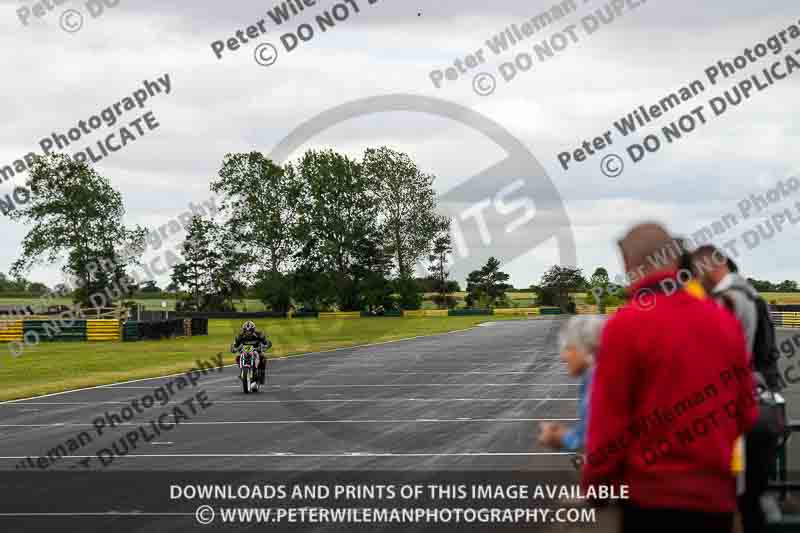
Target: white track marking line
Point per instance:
(423, 373)
(353, 385)
(356, 400)
(297, 422)
(284, 455)
(108, 514)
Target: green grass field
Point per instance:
(55, 367)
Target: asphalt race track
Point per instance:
(470, 398)
(458, 402)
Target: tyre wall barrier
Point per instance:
(550, 311)
(180, 327)
(103, 330)
(420, 313)
(785, 308)
(199, 326)
(340, 314)
(515, 311)
(786, 319)
(304, 314)
(469, 312)
(224, 315)
(54, 330)
(394, 313)
(130, 331)
(154, 330)
(11, 331)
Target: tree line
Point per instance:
(325, 232)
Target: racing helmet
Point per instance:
(248, 327)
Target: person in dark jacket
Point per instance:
(249, 335)
(666, 361)
(720, 276)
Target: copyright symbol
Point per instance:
(645, 299)
(484, 84)
(612, 165)
(204, 515)
(266, 54)
(71, 20)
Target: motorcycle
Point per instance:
(248, 361)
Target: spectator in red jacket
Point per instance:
(671, 393)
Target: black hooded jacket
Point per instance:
(256, 339)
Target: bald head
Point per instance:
(648, 248)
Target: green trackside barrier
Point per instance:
(394, 313)
(550, 311)
(55, 330)
(130, 331)
(305, 314)
(468, 312)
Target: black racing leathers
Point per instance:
(260, 342)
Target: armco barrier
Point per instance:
(54, 330)
(11, 331)
(103, 330)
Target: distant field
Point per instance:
(782, 297)
(518, 299)
(149, 303)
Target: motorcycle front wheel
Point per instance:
(246, 381)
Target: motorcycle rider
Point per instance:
(250, 335)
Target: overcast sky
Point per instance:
(52, 79)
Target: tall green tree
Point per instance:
(260, 201)
(439, 257)
(761, 285)
(337, 211)
(77, 219)
(407, 203)
(371, 271)
(561, 280)
(599, 285)
(201, 261)
(488, 285)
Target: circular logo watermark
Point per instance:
(538, 216)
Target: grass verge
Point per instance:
(59, 366)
